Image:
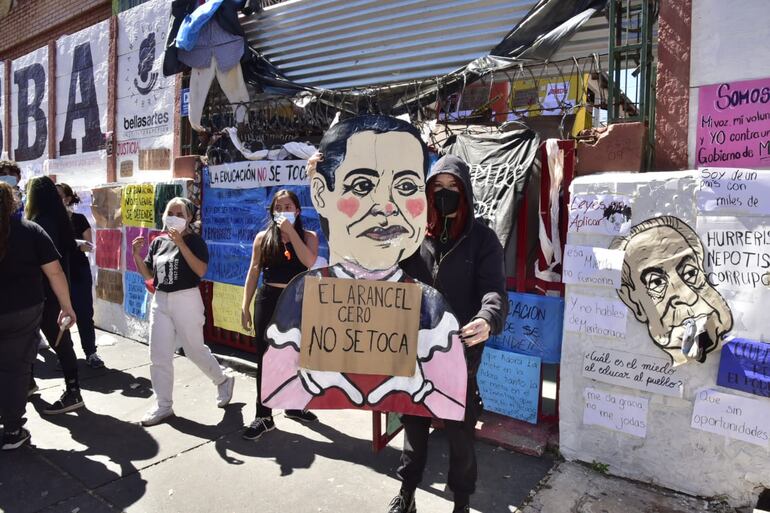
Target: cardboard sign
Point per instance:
(108, 244)
(257, 173)
(510, 384)
(109, 286)
(735, 417)
(618, 412)
(360, 326)
(226, 307)
(636, 371)
(533, 326)
(745, 365)
(606, 214)
(138, 205)
(105, 206)
(136, 295)
(584, 265)
(595, 316)
(734, 191)
(733, 127)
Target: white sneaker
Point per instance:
(225, 392)
(156, 415)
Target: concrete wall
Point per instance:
(672, 454)
(729, 43)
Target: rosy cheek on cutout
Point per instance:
(415, 206)
(348, 206)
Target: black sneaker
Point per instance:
(300, 415)
(401, 504)
(94, 361)
(70, 400)
(259, 427)
(15, 440)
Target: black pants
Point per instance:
(64, 349)
(462, 452)
(18, 348)
(83, 302)
(264, 306)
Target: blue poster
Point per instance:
(510, 384)
(302, 192)
(233, 215)
(228, 262)
(745, 366)
(135, 295)
(533, 326)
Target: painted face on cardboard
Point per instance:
(670, 293)
(377, 209)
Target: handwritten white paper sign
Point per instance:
(733, 191)
(585, 265)
(605, 214)
(732, 416)
(618, 412)
(595, 316)
(635, 371)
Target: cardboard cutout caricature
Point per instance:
(664, 285)
(361, 333)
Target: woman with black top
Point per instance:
(26, 254)
(81, 281)
(175, 263)
(456, 246)
(45, 208)
(281, 252)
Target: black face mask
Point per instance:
(446, 201)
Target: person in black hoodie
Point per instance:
(462, 258)
(45, 208)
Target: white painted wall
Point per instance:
(729, 43)
(673, 454)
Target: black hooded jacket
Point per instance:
(471, 276)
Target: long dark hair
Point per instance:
(68, 193)
(271, 252)
(436, 222)
(7, 208)
(43, 201)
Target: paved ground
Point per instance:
(100, 459)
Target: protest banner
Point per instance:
(533, 326)
(735, 417)
(745, 366)
(108, 244)
(133, 232)
(233, 215)
(730, 191)
(136, 295)
(228, 262)
(605, 214)
(163, 193)
(226, 307)
(593, 315)
(138, 205)
(584, 265)
(510, 384)
(618, 412)
(637, 371)
(105, 206)
(360, 326)
(257, 173)
(109, 286)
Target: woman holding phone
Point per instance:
(280, 252)
(175, 263)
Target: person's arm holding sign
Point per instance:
(250, 287)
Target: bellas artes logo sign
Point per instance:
(146, 77)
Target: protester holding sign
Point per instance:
(456, 245)
(175, 263)
(282, 251)
(26, 253)
(81, 282)
(45, 208)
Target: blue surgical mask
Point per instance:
(9, 179)
(291, 216)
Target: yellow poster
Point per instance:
(138, 205)
(552, 96)
(226, 305)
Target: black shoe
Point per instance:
(462, 509)
(15, 440)
(70, 400)
(300, 415)
(402, 504)
(259, 427)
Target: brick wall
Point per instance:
(34, 23)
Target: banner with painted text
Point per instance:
(29, 112)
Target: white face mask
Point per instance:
(10, 180)
(291, 216)
(177, 223)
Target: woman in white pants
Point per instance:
(175, 263)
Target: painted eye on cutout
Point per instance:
(360, 187)
(690, 275)
(656, 283)
(406, 187)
